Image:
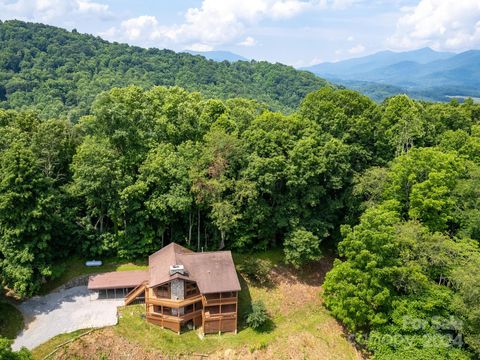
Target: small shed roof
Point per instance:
(117, 279)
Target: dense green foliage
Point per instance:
(301, 246)
(11, 320)
(409, 278)
(57, 72)
(258, 316)
(6, 352)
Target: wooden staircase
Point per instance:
(136, 292)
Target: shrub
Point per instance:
(300, 247)
(258, 317)
(255, 270)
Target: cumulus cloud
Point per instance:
(215, 22)
(248, 41)
(50, 10)
(358, 49)
(440, 24)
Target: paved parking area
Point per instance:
(62, 312)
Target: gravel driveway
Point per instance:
(62, 312)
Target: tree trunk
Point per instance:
(222, 239)
(198, 229)
(205, 235)
(190, 227)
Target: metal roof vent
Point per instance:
(177, 269)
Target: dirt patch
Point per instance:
(105, 344)
(299, 289)
(301, 346)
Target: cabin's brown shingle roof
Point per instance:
(212, 271)
(159, 264)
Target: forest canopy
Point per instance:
(394, 185)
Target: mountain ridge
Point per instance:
(435, 75)
(57, 72)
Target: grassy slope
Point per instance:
(11, 320)
(301, 327)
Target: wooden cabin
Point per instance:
(180, 288)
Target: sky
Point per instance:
(294, 32)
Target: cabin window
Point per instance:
(229, 294)
(167, 311)
(191, 289)
(212, 296)
(228, 308)
(163, 291)
(213, 309)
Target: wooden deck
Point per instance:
(219, 301)
(174, 303)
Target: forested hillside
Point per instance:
(59, 73)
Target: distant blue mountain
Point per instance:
(219, 55)
(459, 70)
(423, 73)
(378, 60)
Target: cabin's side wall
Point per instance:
(220, 312)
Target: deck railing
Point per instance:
(173, 318)
(219, 301)
(174, 303)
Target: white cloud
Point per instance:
(50, 10)
(215, 22)
(248, 41)
(351, 38)
(441, 24)
(92, 7)
(358, 49)
(137, 27)
(289, 8)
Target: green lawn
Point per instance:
(300, 324)
(11, 320)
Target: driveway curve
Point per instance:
(61, 312)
